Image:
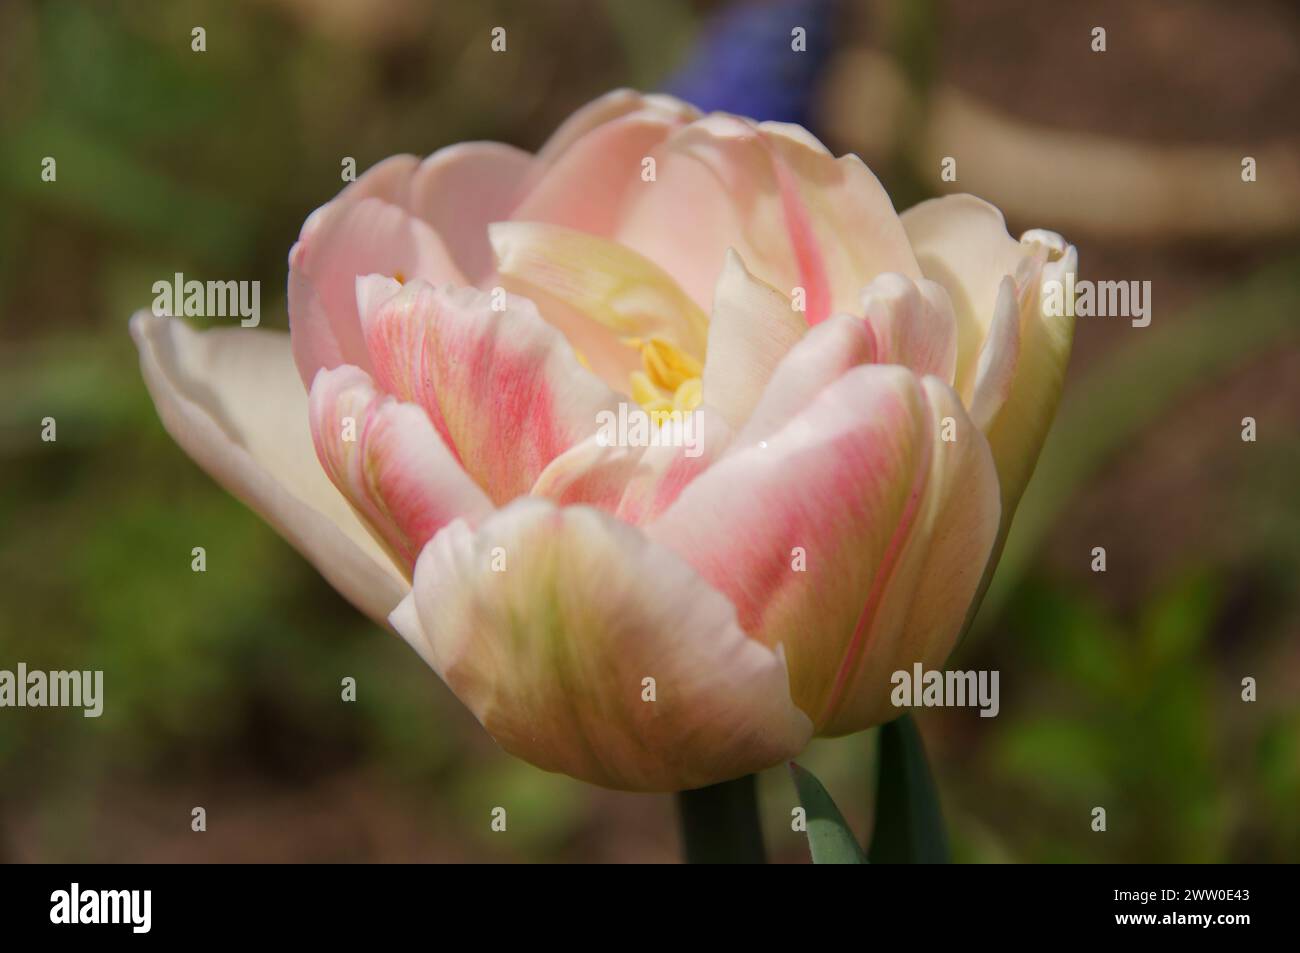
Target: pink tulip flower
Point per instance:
(873, 391)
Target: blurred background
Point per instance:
(1120, 689)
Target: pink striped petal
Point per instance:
(717, 175)
(847, 485)
(547, 623)
(402, 347)
(386, 457)
(850, 218)
(919, 614)
(503, 385)
(797, 216)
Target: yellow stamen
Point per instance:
(670, 384)
(644, 391)
(667, 365)
(399, 277)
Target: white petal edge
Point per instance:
(550, 651)
(233, 400)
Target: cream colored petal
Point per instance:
(962, 243)
(557, 626)
(753, 327)
(233, 400)
(995, 372)
(596, 292)
(1020, 427)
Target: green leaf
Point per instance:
(1177, 621)
(829, 838)
(909, 824)
(1050, 753)
(104, 184)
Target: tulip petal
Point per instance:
(547, 623)
(387, 458)
(601, 110)
(341, 241)
(795, 214)
(636, 483)
(232, 399)
(586, 185)
(401, 348)
(594, 472)
(759, 514)
(1018, 430)
(849, 213)
(962, 243)
(387, 180)
(462, 189)
(920, 613)
(752, 329)
(820, 358)
(995, 371)
(504, 386)
(835, 584)
(596, 292)
(663, 471)
(913, 324)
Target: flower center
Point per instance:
(670, 379)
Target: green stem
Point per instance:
(909, 821)
(720, 823)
